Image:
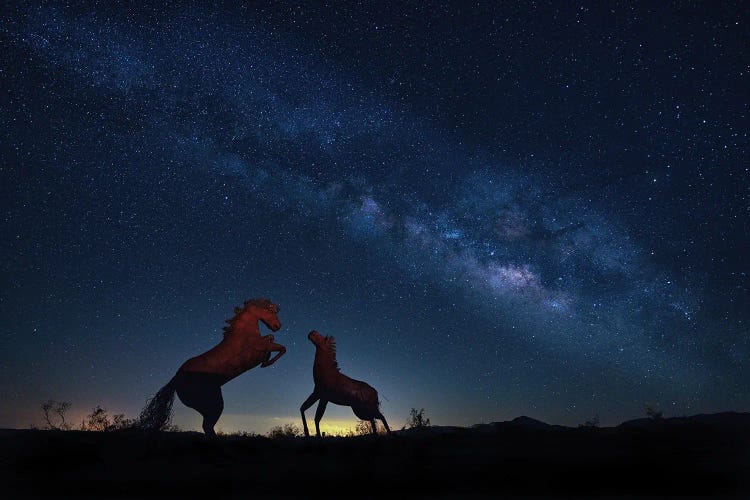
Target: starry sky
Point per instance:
(498, 209)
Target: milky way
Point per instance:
(183, 146)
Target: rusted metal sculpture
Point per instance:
(332, 385)
(198, 381)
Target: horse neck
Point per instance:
(244, 329)
(325, 362)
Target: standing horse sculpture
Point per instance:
(332, 385)
(198, 381)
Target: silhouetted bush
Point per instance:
(99, 420)
(54, 415)
(417, 419)
(363, 428)
(248, 434)
(594, 422)
(284, 431)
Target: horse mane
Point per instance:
(239, 311)
(330, 344)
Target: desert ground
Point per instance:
(702, 455)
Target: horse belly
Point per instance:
(202, 363)
(341, 399)
(364, 413)
(228, 366)
(237, 365)
(334, 394)
(357, 395)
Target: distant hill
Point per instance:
(730, 418)
(525, 422)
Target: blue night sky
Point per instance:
(506, 209)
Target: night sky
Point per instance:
(498, 210)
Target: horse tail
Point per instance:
(157, 413)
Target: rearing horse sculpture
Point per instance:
(198, 381)
(332, 385)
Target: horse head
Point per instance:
(325, 350)
(327, 343)
(316, 338)
(254, 310)
(266, 311)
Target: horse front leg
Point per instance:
(307, 404)
(279, 349)
(319, 415)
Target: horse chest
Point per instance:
(325, 379)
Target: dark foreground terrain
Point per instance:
(704, 455)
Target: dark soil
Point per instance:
(704, 455)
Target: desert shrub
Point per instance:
(417, 419)
(363, 428)
(99, 420)
(284, 431)
(248, 434)
(593, 422)
(244, 434)
(54, 415)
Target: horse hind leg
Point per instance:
(370, 412)
(204, 396)
(319, 415)
(211, 416)
(382, 418)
